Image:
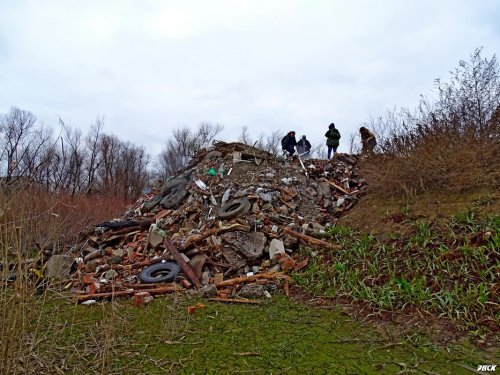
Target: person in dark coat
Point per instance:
(332, 139)
(368, 140)
(304, 147)
(289, 142)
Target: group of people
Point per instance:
(289, 143)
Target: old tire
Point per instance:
(174, 197)
(166, 190)
(152, 203)
(171, 185)
(159, 273)
(234, 208)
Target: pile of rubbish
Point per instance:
(228, 226)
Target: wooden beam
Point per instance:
(126, 293)
(336, 186)
(181, 262)
(310, 240)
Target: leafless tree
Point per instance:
(273, 142)
(75, 160)
(23, 146)
(33, 155)
(131, 173)
(244, 137)
(184, 144)
(92, 143)
(72, 162)
(109, 148)
(318, 151)
(15, 127)
(270, 143)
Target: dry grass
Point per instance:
(436, 163)
(449, 144)
(45, 219)
(33, 223)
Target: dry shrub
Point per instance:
(32, 222)
(54, 219)
(451, 145)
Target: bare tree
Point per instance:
(244, 136)
(15, 128)
(109, 148)
(72, 162)
(270, 143)
(33, 156)
(75, 160)
(185, 143)
(318, 151)
(92, 143)
(131, 172)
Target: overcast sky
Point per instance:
(152, 66)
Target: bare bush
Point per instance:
(451, 143)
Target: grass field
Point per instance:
(279, 336)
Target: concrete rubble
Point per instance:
(235, 216)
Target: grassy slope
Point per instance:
(433, 254)
(279, 336)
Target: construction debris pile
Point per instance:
(229, 225)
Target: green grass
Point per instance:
(279, 336)
(449, 270)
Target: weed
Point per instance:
(449, 269)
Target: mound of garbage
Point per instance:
(228, 225)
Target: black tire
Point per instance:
(234, 208)
(159, 273)
(150, 204)
(175, 197)
(169, 186)
(166, 189)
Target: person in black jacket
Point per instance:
(304, 147)
(332, 139)
(289, 142)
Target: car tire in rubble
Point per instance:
(234, 208)
(152, 203)
(174, 197)
(169, 186)
(167, 190)
(159, 273)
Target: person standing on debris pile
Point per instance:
(332, 139)
(368, 140)
(289, 142)
(304, 147)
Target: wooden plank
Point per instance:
(310, 240)
(181, 262)
(336, 186)
(127, 293)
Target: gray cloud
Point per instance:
(151, 66)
